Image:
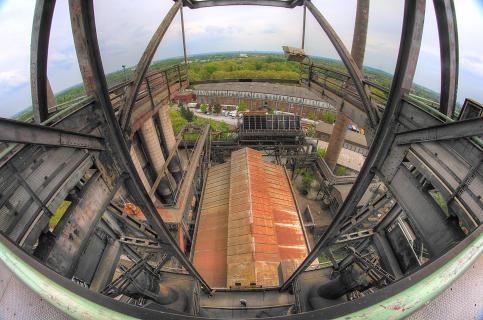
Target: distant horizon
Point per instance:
(261, 52)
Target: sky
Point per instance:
(125, 27)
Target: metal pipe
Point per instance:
(407, 58)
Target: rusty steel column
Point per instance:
(336, 140)
(360, 32)
(39, 49)
(80, 46)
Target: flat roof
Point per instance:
(262, 87)
(249, 232)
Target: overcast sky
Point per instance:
(125, 27)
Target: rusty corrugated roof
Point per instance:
(263, 231)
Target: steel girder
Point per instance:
(446, 131)
(410, 44)
(448, 44)
(194, 4)
(143, 64)
(117, 143)
(80, 48)
(28, 133)
(44, 10)
(349, 62)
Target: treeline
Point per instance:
(258, 67)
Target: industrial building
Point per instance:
(158, 224)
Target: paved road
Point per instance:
(229, 120)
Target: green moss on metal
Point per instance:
(395, 307)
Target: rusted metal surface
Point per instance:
(249, 224)
(23, 132)
(78, 32)
(404, 73)
(211, 239)
(175, 214)
(336, 140)
(73, 232)
(44, 11)
(448, 43)
(360, 32)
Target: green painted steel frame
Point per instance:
(395, 307)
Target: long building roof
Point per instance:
(249, 226)
(262, 87)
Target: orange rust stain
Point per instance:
(133, 210)
(252, 230)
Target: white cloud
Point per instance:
(13, 78)
(125, 27)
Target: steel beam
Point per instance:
(184, 38)
(352, 68)
(143, 64)
(80, 46)
(216, 3)
(28, 133)
(446, 131)
(303, 25)
(448, 45)
(120, 151)
(410, 44)
(437, 233)
(39, 50)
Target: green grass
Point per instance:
(321, 152)
(340, 171)
(178, 122)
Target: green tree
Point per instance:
(311, 132)
(311, 116)
(340, 171)
(217, 108)
(204, 107)
(307, 179)
(328, 117)
(186, 113)
(321, 152)
(242, 106)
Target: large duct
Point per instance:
(155, 154)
